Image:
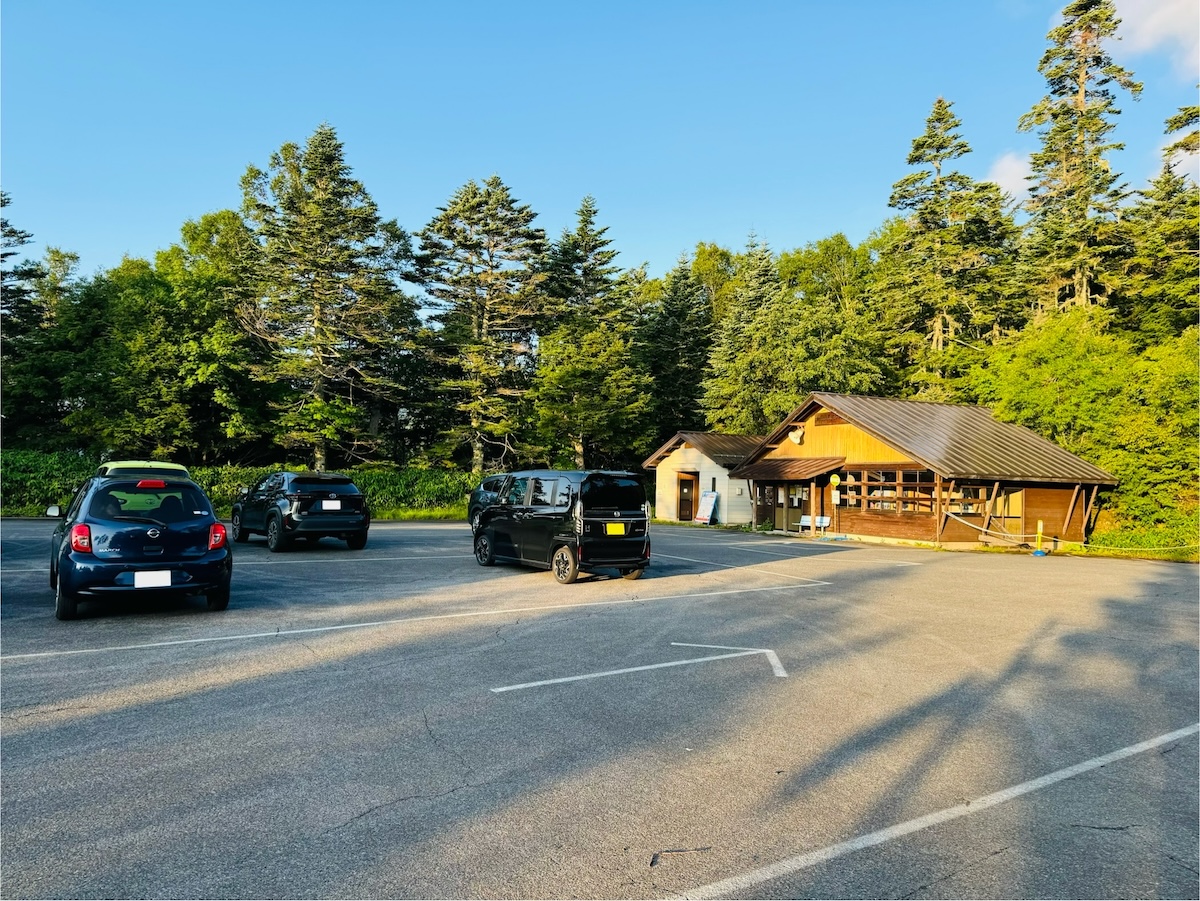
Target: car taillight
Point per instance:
(81, 538)
(216, 536)
(152, 483)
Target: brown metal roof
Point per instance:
(956, 441)
(787, 469)
(725, 450)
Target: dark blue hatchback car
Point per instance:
(124, 534)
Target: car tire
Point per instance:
(476, 519)
(564, 565)
(218, 599)
(276, 540)
(632, 574)
(357, 541)
(236, 532)
(484, 553)
(66, 603)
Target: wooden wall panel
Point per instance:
(845, 440)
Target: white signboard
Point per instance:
(708, 507)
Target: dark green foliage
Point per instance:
(30, 481)
(321, 295)
(478, 259)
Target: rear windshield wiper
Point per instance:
(128, 518)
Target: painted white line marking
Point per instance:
(772, 657)
(768, 572)
(397, 622)
(742, 652)
(740, 885)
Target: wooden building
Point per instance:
(692, 463)
(913, 470)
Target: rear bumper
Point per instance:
(622, 553)
(83, 574)
(325, 524)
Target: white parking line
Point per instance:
(396, 622)
(768, 572)
(739, 886)
(771, 656)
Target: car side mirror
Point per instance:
(56, 511)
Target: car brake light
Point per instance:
(152, 483)
(81, 538)
(216, 536)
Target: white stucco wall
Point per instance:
(732, 508)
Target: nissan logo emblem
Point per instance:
(153, 533)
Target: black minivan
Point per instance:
(568, 522)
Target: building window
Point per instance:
(888, 490)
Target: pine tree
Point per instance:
(673, 341)
(323, 273)
(736, 383)
(1075, 195)
(941, 272)
(480, 258)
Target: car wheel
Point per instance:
(632, 574)
(476, 518)
(357, 541)
(276, 541)
(484, 555)
(66, 603)
(218, 599)
(565, 566)
(236, 532)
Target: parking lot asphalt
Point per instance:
(759, 716)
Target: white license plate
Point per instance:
(331, 505)
(158, 578)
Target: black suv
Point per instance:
(285, 506)
(568, 522)
(126, 534)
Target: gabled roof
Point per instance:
(725, 450)
(954, 440)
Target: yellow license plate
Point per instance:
(614, 528)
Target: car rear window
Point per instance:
(336, 486)
(172, 503)
(613, 493)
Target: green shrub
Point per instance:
(30, 481)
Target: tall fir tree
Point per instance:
(1073, 242)
(736, 384)
(590, 396)
(674, 336)
(480, 258)
(943, 269)
(324, 274)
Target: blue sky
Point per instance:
(686, 121)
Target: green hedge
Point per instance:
(31, 481)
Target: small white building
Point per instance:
(693, 463)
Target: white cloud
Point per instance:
(1009, 173)
(1173, 25)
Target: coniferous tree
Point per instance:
(480, 258)
(324, 298)
(1156, 297)
(590, 394)
(1070, 255)
(737, 382)
(673, 341)
(942, 272)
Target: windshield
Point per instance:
(612, 493)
